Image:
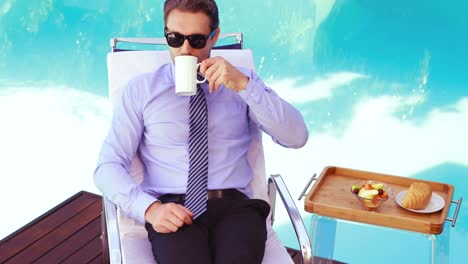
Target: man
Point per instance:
(157, 124)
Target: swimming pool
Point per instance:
(382, 86)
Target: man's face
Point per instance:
(188, 23)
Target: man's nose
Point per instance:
(186, 49)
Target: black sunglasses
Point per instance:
(197, 41)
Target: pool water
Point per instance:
(382, 85)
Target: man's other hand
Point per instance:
(219, 71)
(167, 218)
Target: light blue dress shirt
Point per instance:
(152, 121)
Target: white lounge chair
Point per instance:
(126, 239)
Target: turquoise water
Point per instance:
(383, 86)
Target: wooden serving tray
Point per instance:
(331, 196)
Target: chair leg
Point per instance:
(294, 215)
(271, 188)
(105, 244)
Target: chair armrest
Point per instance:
(112, 228)
(276, 183)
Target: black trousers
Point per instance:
(232, 230)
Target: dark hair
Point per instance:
(208, 7)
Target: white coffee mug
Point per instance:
(186, 81)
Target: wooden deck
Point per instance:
(69, 233)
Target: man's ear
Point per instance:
(215, 37)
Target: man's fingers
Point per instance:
(206, 64)
(220, 72)
(165, 227)
(215, 80)
(169, 225)
(184, 209)
(189, 213)
(170, 217)
(218, 83)
(161, 229)
(175, 220)
(209, 74)
(183, 214)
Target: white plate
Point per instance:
(435, 204)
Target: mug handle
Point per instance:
(202, 81)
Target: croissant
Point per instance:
(418, 196)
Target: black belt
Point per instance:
(212, 194)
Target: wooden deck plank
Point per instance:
(56, 236)
(69, 246)
(87, 253)
(97, 260)
(32, 232)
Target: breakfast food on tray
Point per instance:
(418, 196)
(372, 194)
(369, 190)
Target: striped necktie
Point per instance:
(196, 196)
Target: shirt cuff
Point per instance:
(252, 93)
(141, 204)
